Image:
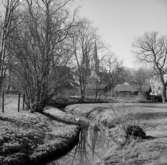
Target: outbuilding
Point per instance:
(126, 89)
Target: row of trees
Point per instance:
(120, 74)
(36, 45)
(6, 28)
(39, 36)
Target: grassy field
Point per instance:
(33, 129)
(25, 136)
(151, 117)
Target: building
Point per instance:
(126, 89)
(94, 86)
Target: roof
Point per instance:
(93, 86)
(94, 76)
(125, 87)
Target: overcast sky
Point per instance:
(119, 22)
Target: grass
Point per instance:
(151, 117)
(27, 137)
(24, 130)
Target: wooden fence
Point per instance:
(19, 102)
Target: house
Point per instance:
(126, 89)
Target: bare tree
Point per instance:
(39, 45)
(113, 72)
(141, 77)
(152, 48)
(9, 7)
(83, 40)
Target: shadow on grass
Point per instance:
(18, 122)
(149, 115)
(137, 117)
(145, 105)
(7, 119)
(162, 106)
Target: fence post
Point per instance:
(23, 100)
(19, 102)
(3, 102)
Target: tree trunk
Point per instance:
(1, 81)
(82, 95)
(40, 101)
(37, 107)
(163, 93)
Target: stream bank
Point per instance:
(34, 139)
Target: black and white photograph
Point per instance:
(83, 82)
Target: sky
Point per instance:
(120, 22)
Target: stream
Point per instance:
(91, 148)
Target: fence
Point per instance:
(20, 100)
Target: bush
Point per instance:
(135, 132)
